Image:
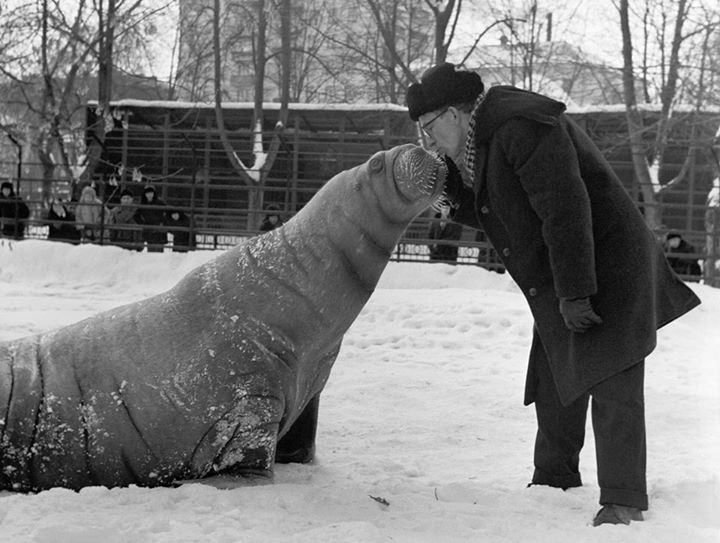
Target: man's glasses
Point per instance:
(426, 127)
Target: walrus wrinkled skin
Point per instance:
(209, 376)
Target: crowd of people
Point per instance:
(121, 220)
(148, 224)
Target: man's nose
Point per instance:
(429, 143)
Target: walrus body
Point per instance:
(210, 375)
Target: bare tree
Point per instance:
(662, 78)
(57, 49)
(254, 176)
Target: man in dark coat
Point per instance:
(179, 225)
(13, 212)
(441, 228)
(597, 282)
(151, 214)
(680, 256)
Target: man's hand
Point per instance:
(578, 314)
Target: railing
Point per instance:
(412, 247)
(224, 224)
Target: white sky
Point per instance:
(592, 24)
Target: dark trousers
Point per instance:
(618, 421)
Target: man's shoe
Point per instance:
(617, 514)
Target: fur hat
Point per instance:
(127, 192)
(440, 86)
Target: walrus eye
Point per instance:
(376, 164)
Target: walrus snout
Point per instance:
(420, 174)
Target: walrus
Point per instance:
(222, 373)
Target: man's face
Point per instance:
(6, 192)
(444, 130)
(673, 243)
(126, 200)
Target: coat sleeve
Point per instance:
(545, 162)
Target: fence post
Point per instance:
(712, 236)
(715, 241)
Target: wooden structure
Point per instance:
(177, 148)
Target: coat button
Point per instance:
(485, 210)
(506, 252)
(532, 292)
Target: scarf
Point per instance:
(469, 158)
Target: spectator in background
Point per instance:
(13, 212)
(487, 255)
(151, 215)
(179, 225)
(675, 248)
(61, 223)
(122, 225)
(441, 227)
(272, 218)
(89, 214)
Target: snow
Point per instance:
(267, 106)
(423, 411)
(377, 107)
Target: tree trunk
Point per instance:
(641, 167)
(104, 122)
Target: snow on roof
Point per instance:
(269, 106)
(272, 106)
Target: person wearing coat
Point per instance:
(597, 283)
(61, 223)
(442, 228)
(89, 215)
(680, 257)
(272, 219)
(151, 214)
(13, 212)
(179, 225)
(122, 226)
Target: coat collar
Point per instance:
(503, 102)
(496, 106)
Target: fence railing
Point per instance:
(224, 224)
(414, 246)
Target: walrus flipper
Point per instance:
(298, 444)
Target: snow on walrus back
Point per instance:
(222, 373)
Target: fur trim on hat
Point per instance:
(442, 85)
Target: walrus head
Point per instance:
(418, 178)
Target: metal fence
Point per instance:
(178, 148)
(222, 226)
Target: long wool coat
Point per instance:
(565, 227)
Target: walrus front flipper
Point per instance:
(298, 444)
(235, 477)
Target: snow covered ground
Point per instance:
(423, 410)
